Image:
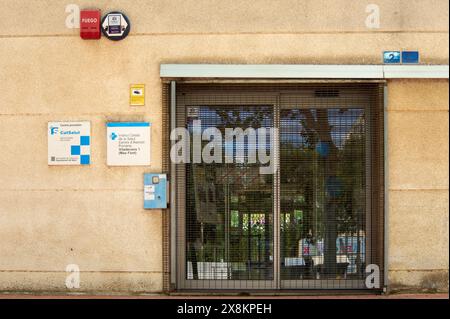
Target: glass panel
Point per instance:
(229, 206)
(323, 193)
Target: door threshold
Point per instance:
(274, 293)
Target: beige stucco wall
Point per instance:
(92, 216)
(418, 183)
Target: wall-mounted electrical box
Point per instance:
(155, 191)
(90, 24)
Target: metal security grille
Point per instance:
(315, 222)
(165, 128)
(324, 154)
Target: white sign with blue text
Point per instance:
(69, 143)
(128, 143)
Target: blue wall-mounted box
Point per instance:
(155, 191)
(410, 57)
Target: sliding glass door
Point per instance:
(308, 223)
(229, 206)
(323, 194)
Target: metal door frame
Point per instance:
(177, 221)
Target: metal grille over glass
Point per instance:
(229, 206)
(323, 194)
(315, 222)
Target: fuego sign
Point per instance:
(90, 24)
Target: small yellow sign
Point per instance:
(137, 94)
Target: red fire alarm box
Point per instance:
(90, 24)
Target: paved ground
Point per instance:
(83, 296)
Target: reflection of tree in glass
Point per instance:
(233, 181)
(342, 175)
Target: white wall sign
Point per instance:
(69, 143)
(128, 143)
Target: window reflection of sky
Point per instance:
(342, 121)
(235, 117)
